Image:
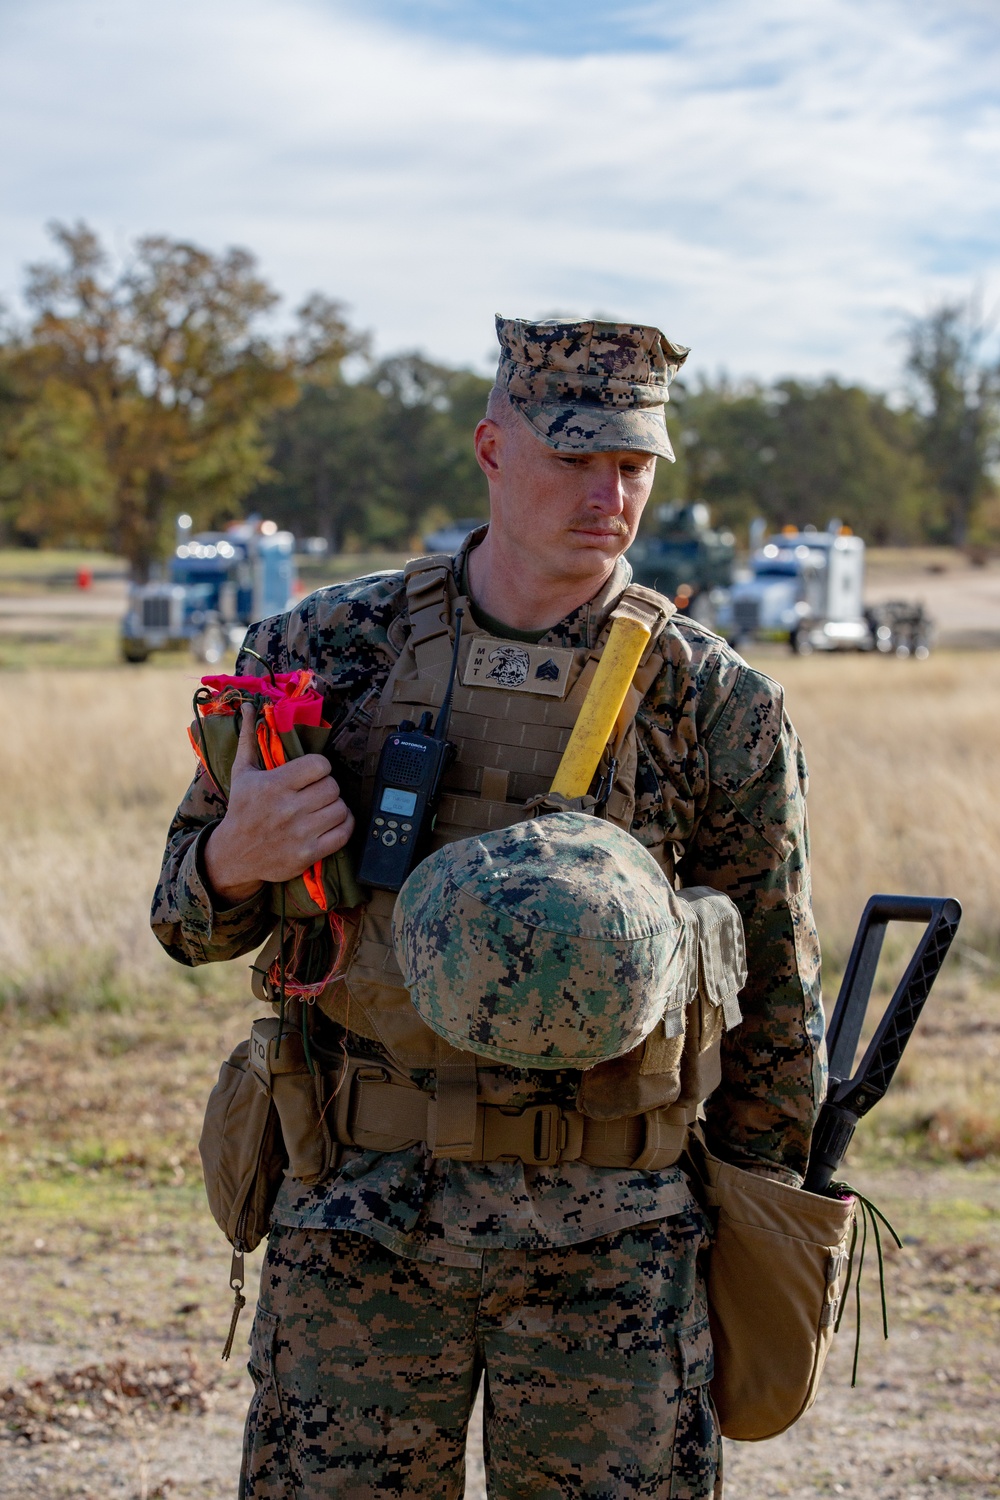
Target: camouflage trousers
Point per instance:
(596, 1360)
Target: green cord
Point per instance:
(857, 1297)
(246, 651)
(202, 695)
(847, 1279)
(868, 1211)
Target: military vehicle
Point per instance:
(684, 557)
(219, 582)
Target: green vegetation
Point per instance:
(800, 452)
(378, 461)
(142, 389)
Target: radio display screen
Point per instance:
(396, 801)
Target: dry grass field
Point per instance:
(109, 1252)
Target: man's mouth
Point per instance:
(611, 533)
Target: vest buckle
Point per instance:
(535, 1135)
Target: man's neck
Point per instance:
(514, 588)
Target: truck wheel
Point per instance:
(800, 643)
(134, 654)
(210, 646)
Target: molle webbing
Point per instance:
(378, 1109)
(509, 742)
(509, 747)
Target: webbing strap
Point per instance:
(376, 1113)
(451, 1116)
(430, 582)
(666, 1135)
(428, 585)
(647, 608)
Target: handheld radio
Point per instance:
(407, 790)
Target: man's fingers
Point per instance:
(317, 796)
(304, 771)
(282, 820)
(327, 832)
(319, 823)
(337, 813)
(246, 749)
(335, 838)
(295, 775)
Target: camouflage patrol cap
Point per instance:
(554, 943)
(590, 387)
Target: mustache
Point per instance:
(610, 525)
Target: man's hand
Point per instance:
(278, 823)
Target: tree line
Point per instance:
(133, 391)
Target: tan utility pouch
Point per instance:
(776, 1276)
(299, 1098)
(241, 1152)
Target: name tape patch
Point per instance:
(518, 668)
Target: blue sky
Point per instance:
(775, 183)
(561, 28)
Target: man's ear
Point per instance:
(488, 442)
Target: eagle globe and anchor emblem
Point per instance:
(510, 665)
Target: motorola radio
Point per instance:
(407, 790)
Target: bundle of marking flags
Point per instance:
(287, 713)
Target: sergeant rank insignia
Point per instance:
(517, 668)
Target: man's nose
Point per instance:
(606, 491)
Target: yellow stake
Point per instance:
(601, 708)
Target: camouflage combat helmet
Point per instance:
(554, 943)
(589, 386)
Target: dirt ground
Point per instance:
(962, 600)
(110, 1256)
(922, 1421)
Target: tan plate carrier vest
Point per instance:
(632, 1111)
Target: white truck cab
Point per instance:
(805, 587)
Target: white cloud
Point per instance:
(773, 186)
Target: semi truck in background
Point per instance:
(807, 588)
(685, 557)
(218, 583)
(802, 587)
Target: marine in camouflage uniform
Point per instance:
(387, 1290)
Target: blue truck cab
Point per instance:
(218, 583)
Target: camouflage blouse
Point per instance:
(722, 776)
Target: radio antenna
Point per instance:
(444, 716)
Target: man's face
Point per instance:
(573, 513)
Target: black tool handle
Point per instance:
(850, 1097)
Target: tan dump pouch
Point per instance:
(241, 1151)
(776, 1276)
(299, 1098)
